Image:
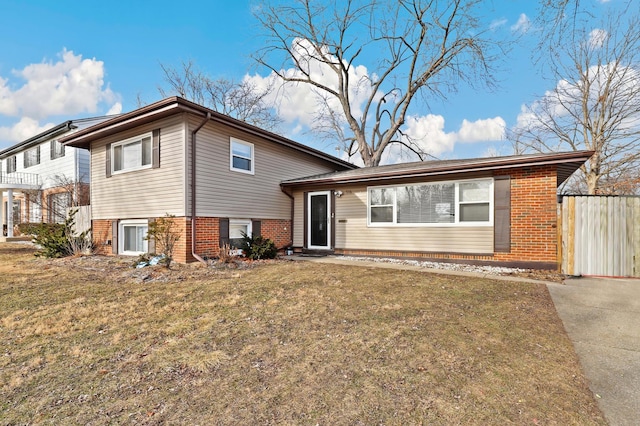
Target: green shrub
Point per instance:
(37, 228)
(52, 240)
(58, 239)
(258, 247)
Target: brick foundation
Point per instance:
(207, 236)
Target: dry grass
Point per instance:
(93, 341)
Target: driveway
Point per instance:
(602, 318)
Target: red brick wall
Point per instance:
(534, 215)
(278, 230)
(101, 231)
(207, 236)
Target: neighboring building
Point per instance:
(40, 178)
(144, 166)
(220, 177)
(485, 210)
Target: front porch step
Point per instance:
(14, 239)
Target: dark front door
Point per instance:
(319, 231)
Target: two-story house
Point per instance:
(221, 177)
(218, 176)
(40, 177)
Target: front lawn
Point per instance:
(94, 341)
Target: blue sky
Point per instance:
(70, 59)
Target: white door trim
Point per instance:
(328, 221)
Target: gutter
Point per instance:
(47, 134)
(193, 189)
(292, 212)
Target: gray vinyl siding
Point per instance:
(222, 192)
(142, 193)
(84, 161)
(298, 218)
(352, 232)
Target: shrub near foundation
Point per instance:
(163, 231)
(258, 247)
(59, 239)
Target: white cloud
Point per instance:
(23, 129)
(67, 87)
(299, 104)
(522, 25)
(490, 129)
(597, 38)
(115, 109)
(428, 133)
(565, 101)
(497, 23)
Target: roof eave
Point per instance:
(174, 105)
(47, 134)
(574, 160)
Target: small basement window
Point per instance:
(132, 234)
(236, 229)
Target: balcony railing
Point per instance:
(19, 180)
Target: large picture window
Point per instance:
(132, 234)
(132, 154)
(241, 156)
(441, 203)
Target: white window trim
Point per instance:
(456, 223)
(252, 159)
(121, 226)
(248, 224)
(126, 142)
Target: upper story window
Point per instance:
(131, 154)
(11, 164)
(57, 150)
(465, 202)
(32, 157)
(241, 156)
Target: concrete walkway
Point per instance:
(602, 318)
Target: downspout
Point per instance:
(292, 212)
(193, 189)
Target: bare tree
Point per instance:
(55, 201)
(595, 105)
(422, 48)
(241, 100)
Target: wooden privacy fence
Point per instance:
(600, 236)
(82, 218)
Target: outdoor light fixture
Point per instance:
(338, 194)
